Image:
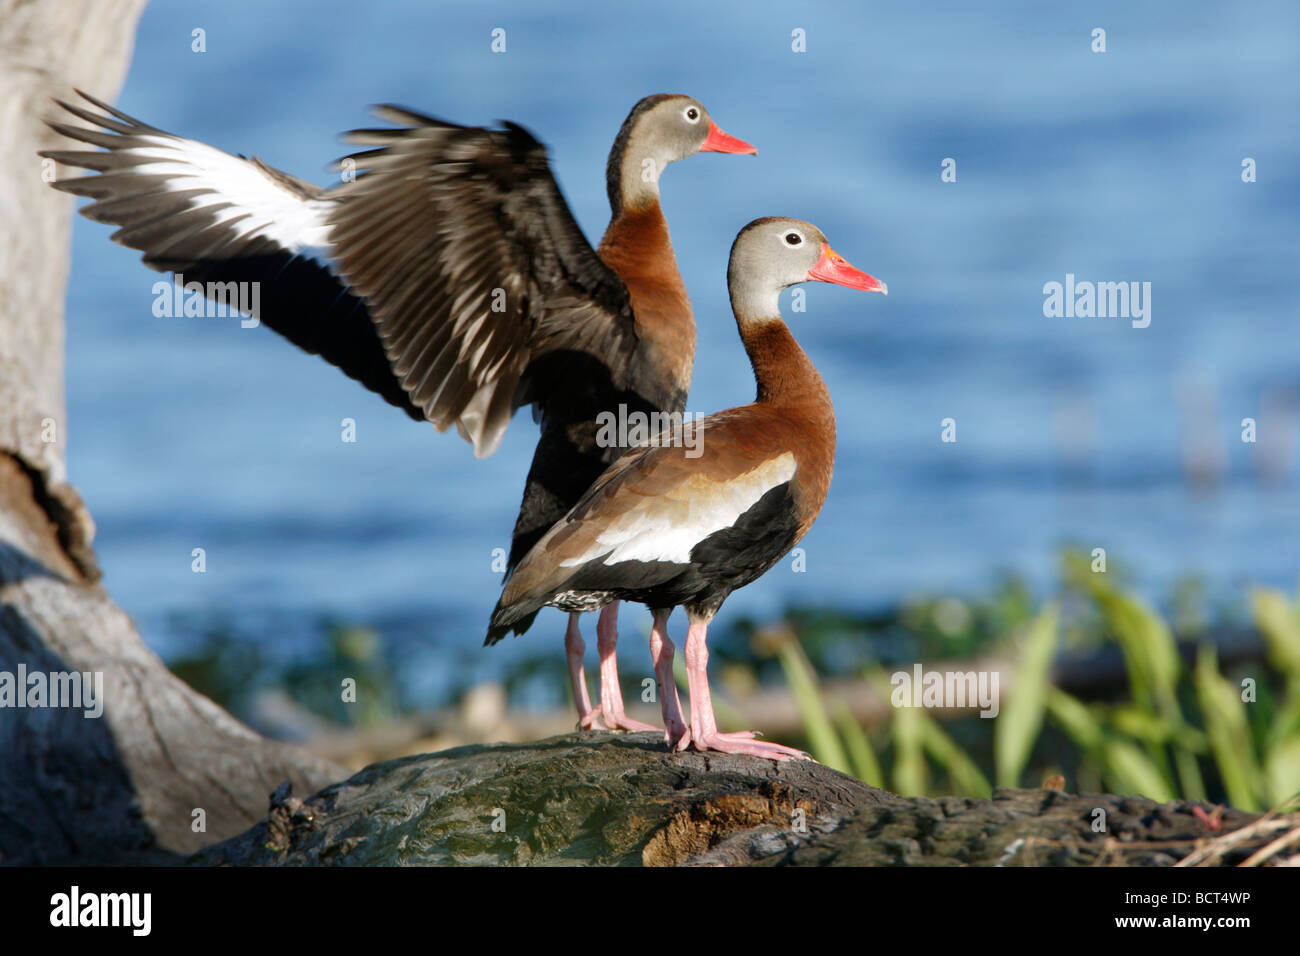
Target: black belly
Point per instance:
(721, 563)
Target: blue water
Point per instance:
(1122, 166)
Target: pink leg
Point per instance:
(661, 652)
(704, 728)
(574, 648)
(611, 695)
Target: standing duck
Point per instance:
(688, 518)
(453, 281)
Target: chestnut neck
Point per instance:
(638, 248)
(636, 244)
(783, 372)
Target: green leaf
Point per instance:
(866, 767)
(1078, 722)
(966, 776)
(1127, 768)
(909, 757)
(1020, 722)
(1279, 621)
(1133, 772)
(1151, 656)
(1282, 770)
(1148, 646)
(1229, 731)
(822, 739)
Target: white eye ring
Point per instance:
(792, 237)
(689, 110)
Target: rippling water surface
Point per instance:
(1122, 166)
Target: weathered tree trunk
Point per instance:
(622, 799)
(123, 787)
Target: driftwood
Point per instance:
(125, 786)
(622, 799)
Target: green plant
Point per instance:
(1173, 730)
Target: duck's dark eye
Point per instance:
(692, 114)
(793, 238)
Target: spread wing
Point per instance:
(214, 217)
(484, 290)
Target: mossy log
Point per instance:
(623, 800)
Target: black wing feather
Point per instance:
(178, 231)
(475, 271)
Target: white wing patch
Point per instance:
(263, 206)
(669, 527)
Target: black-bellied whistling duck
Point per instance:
(456, 284)
(692, 516)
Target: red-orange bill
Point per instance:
(720, 142)
(833, 267)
